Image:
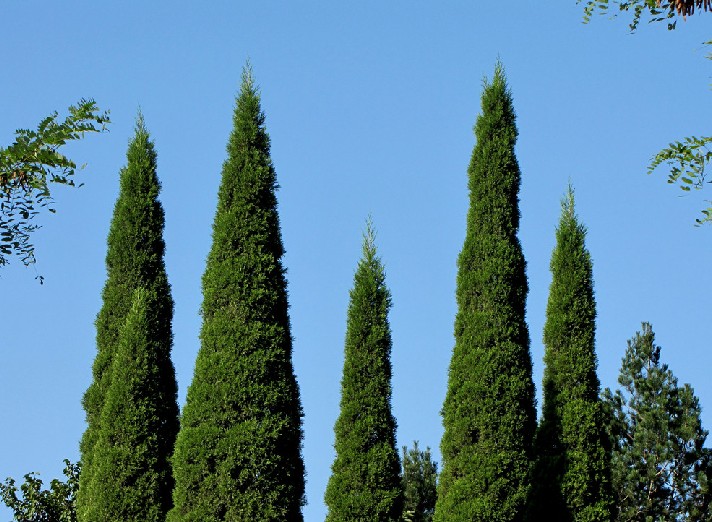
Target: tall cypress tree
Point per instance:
(132, 477)
(572, 471)
(489, 414)
(238, 453)
(134, 260)
(365, 483)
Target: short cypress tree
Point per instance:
(489, 414)
(132, 477)
(238, 453)
(134, 260)
(365, 483)
(572, 470)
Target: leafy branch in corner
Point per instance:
(56, 504)
(658, 10)
(30, 165)
(688, 157)
(687, 160)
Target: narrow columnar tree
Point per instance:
(365, 483)
(134, 260)
(572, 475)
(132, 477)
(489, 414)
(238, 453)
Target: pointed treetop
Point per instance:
(499, 74)
(567, 202)
(248, 79)
(140, 122)
(369, 240)
(499, 79)
(497, 107)
(568, 210)
(141, 135)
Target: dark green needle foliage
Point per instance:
(419, 484)
(365, 483)
(489, 414)
(132, 477)
(238, 453)
(660, 466)
(134, 260)
(572, 475)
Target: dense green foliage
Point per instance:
(134, 260)
(56, 504)
(29, 165)
(489, 414)
(132, 477)
(660, 467)
(365, 483)
(238, 453)
(420, 475)
(571, 481)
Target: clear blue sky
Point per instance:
(370, 107)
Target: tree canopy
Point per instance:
(686, 158)
(657, 10)
(28, 168)
(660, 467)
(34, 504)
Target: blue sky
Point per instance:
(370, 108)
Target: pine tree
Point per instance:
(132, 478)
(365, 483)
(572, 475)
(134, 260)
(489, 414)
(419, 484)
(238, 453)
(661, 470)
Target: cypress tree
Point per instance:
(132, 480)
(238, 452)
(489, 414)
(365, 483)
(134, 260)
(572, 471)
